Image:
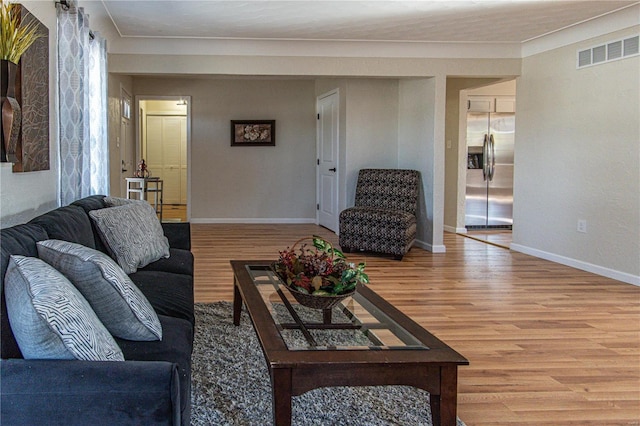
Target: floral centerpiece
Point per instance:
(320, 271)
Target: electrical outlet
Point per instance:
(582, 226)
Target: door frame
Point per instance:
(125, 104)
(138, 120)
(463, 99)
(336, 200)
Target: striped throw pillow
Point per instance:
(117, 301)
(49, 317)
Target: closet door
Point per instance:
(166, 155)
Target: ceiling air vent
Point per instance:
(610, 51)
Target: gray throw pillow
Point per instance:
(115, 299)
(132, 233)
(117, 201)
(49, 317)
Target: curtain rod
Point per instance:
(66, 4)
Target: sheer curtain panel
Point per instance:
(82, 77)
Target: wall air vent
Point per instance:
(610, 51)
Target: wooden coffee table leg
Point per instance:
(434, 403)
(448, 401)
(281, 395)
(237, 305)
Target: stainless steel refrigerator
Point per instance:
(490, 142)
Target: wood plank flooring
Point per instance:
(174, 213)
(547, 344)
(500, 238)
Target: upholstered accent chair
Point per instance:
(383, 219)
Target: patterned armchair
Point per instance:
(383, 219)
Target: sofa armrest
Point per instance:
(178, 234)
(89, 392)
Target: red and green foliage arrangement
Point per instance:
(320, 270)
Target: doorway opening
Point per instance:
(490, 137)
(479, 166)
(164, 143)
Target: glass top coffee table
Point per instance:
(363, 341)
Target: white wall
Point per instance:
(578, 157)
(247, 184)
(26, 195)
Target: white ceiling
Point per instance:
(493, 21)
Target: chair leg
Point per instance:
(398, 256)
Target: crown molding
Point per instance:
(619, 20)
(313, 48)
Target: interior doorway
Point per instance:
(460, 90)
(163, 142)
(489, 140)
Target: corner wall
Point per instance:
(417, 143)
(578, 157)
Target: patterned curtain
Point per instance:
(82, 73)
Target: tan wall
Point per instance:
(417, 150)
(577, 157)
(247, 183)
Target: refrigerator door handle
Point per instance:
(485, 157)
(492, 164)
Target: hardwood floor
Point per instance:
(500, 238)
(174, 213)
(547, 344)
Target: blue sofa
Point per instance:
(151, 387)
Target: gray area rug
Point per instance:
(231, 384)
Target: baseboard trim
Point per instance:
(454, 230)
(578, 264)
(253, 221)
(439, 248)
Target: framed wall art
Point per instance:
(31, 152)
(253, 132)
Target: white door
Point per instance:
(166, 155)
(327, 163)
